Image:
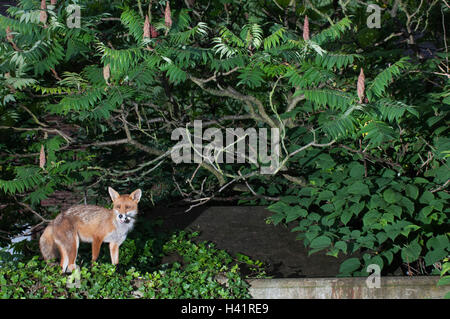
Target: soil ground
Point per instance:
(244, 230)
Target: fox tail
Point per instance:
(47, 244)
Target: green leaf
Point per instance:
(426, 197)
(251, 77)
(342, 245)
(357, 208)
(391, 196)
(434, 256)
(437, 204)
(330, 60)
(295, 212)
(320, 242)
(378, 132)
(329, 220)
(305, 201)
(287, 199)
(346, 216)
(310, 235)
(371, 218)
(383, 181)
(328, 208)
(424, 212)
(439, 242)
(355, 234)
(333, 32)
(387, 218)
(279, 207)
(349, 266)
(356, 170)
(332, 98)
(325, 161)
(444, 281)
(314, 217)
(411, 191)
(333, 252)
(443, 195)
(420, 180)
(376, 260)
(273, 40)
(389, 256)
(395, 210)
(393, 110)
(359, 188)
(445, 268)
(367, 241)
(376, 201)
(382, 237)
(411, 252)
(277, 218)
(409, 228)
(383, 79)
(409, 205)
(174, 73)
(325, 195)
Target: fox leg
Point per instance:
(114, 252)
(65, 241)
(63, 254)
(96, 244)
(73, 254)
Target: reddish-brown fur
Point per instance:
(89, 223)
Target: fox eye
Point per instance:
(118, 206)
(127, 207)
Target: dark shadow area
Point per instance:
(243, 230)
(4, 5)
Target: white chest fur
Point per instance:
(120, 233)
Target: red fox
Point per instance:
(93, 224)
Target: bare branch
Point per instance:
(248, 99)
(28, 207)
(44, 129)
(440, 187)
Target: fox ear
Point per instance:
(136, 195)
(113, 193)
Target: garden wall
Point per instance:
(423, 287)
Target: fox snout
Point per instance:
(126, 217)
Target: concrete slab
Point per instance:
(419, 287)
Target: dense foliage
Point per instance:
(362, 114)
(164, 266)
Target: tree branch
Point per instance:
(248, 99)
(48, 130)
(157, 152)
(28, 207)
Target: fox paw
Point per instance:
(71, 268)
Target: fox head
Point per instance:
(125, 206)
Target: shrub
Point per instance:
(196, 275)
(382, 216)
